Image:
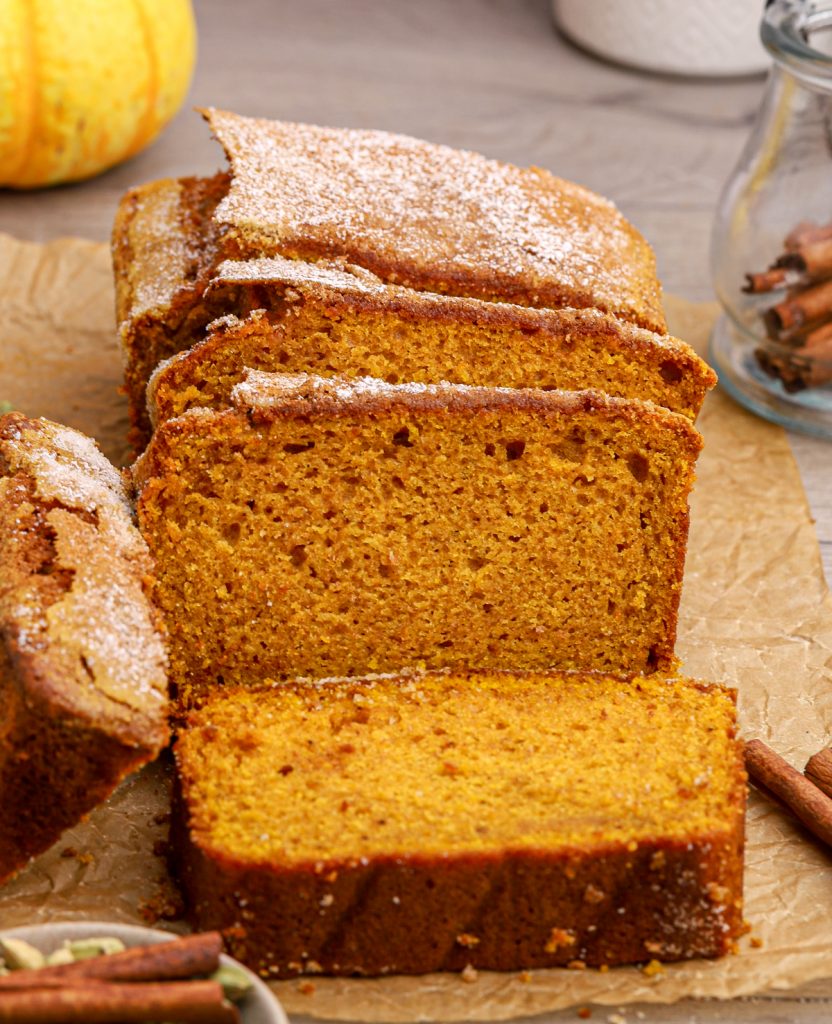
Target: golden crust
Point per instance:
(337, 282)
(265, 396)
(507, 233)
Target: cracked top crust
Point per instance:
(74, 618)
(431, 217)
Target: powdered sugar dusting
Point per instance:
(431, 212)
(94, 640)
(161, 264)
(260, 389)
(337, 278)
(105, 618)
(309, 395)
(68, 468)
(334, 274)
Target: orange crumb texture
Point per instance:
(415, 526)
(572, 831)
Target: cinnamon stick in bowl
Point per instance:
(183, 957)
(175, 1002)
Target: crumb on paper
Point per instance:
(469, 974)
(306, 988)
(576, 965)
(616, 1018)
(525, 977)
(584, 1013)
(652, 969)
(165, 905)
(756, 942)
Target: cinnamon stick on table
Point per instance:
(180, 958)
(813, 807)
(177, 1002)
(819, 770)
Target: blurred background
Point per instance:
(490, 75)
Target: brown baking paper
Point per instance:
(756, 615)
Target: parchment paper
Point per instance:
(756, 615)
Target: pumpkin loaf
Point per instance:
(332, 527)
(83, 688)
(430, 217)
(425, 823)
(331, 319)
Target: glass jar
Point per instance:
(772, 242)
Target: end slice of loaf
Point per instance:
(430, 217)
(165, 250)
(424, 823)
(83, 685)
(333, 527)
(332, 319)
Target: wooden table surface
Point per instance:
(490, 75)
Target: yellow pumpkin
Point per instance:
(85, 84)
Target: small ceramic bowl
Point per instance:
(258, 1007)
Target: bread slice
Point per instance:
(83, 686)
(328, 318)
(333, 527)
(424, 823)
(430, 217)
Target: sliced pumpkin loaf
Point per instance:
(426, 823)
(328, 318)
(332, 527)
(429, 217)
(83, 685)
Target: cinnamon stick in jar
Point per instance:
(806, 233)
(767, 280)
(802, 307)
(100, 1002)
(813, 259)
